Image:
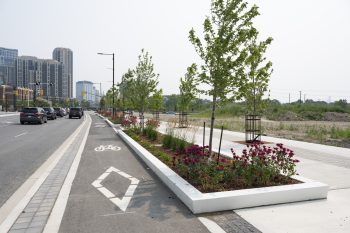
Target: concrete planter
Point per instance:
(199, 202)
(110, 123)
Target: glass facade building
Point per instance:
(46, 71)
(7, 66)
(65, 56)
(85, 90)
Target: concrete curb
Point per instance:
(111, 124)
(199, 202)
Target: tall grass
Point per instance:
(274, 110)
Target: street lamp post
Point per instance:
(111, 54)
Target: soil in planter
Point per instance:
(166, 156)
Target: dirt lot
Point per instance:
(324, 132)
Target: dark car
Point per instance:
(60, 112)
(33, 115)
(75, 112)
(51, 114)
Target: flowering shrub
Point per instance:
(129, 122)
(259, 165)
(194, 164)
(152, 123)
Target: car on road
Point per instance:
(60, 112)
(51, 114)
(33, 115)
(76, 112)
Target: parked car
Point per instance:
(60, 112)
(76, 112)
(51, 114)
(34, 114)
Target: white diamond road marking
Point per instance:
(107, 147)
(121, 203)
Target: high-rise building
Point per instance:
(7, 66)
(85, 91)
(65, 56)
(31, 70)
(97, 96)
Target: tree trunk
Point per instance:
(212, 120)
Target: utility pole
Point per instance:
(304, 98)
(289, 98)
(111, 54)
(300, 97)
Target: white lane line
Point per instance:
(8, 115)
(55, 219)
(21, 134)
(14, 206)
(211, 225)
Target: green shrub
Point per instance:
(150, 133)
(167, 141)
(163, 157)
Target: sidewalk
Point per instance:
(327, 164)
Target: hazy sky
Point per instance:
(310, 51)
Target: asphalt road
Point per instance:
(152, 208)
(23, 148)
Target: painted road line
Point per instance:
(14, 206)
(211, 225)
(8, 115)
(21, 134)
(55, 219)
(121, 203)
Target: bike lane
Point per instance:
(114, 191)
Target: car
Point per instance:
(60, 112)
(51, 114)
(76, 112)
(33, 115)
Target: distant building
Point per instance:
(55, 75)
(30, 70)
(65, 56)
(97, 96)
(85, 91)
(7, 66)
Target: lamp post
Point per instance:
(111, 54)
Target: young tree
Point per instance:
(102, 103)
(143, 84)
(224, 50)
(257, 75)
(156, 100)
(125, 89)
(171, 102)
(188, 89)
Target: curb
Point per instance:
(111, 124)
(199, 202)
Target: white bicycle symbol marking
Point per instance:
(107, 147)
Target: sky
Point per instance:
(310, 51)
